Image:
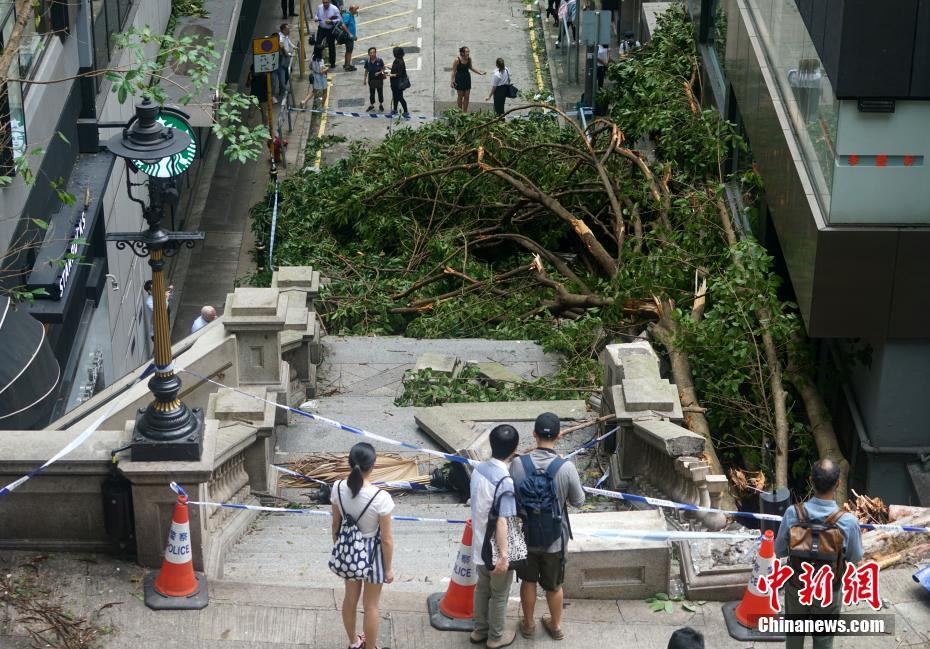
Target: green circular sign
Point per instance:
(176, 164)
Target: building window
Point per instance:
(12, 116)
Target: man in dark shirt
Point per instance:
(374, 77)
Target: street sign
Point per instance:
(178, 163)
(265, 53)
(595, 27)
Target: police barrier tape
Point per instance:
(659, 502)
(399, 116)
(77, 441)
(335, 424)
(646, 535)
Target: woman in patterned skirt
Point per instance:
(371, 508)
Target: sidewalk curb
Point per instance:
(550, 60)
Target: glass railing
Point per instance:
(803, 87)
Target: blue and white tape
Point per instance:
(593, 442)
(77, 441)
(659, 502)
(347, 113)
(176, 488)
(336, 424)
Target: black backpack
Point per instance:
(539, 503)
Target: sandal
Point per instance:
(555, 634)
(359, 642)
(527, 631)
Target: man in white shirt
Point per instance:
(493, 588)
(207, 315)
(603, 58)
(150, 305)
(286, 50)
(328, 18)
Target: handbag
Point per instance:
(516, 542)
(404, 83)
(512, 91)
(350, 558)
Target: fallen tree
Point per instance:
(535, 229)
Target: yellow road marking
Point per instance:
(377, 4)
(536, 64)
(390, 31)
(323, 116)
(377, 20)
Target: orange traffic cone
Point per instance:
(454, 610)
(177, 585)
(743, 619)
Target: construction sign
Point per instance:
(265, 53)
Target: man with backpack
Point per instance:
(492, 504)
(820, 533)
(545, 485)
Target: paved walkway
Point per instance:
(253, 616)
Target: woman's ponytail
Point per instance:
(361, 459)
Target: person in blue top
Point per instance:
(351, 34)
(825, 475)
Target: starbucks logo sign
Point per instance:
(176, 164)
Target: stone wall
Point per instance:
(266, 344)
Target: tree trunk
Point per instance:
(24, 13)
(779, 399)
(821, 427)
(666, 329)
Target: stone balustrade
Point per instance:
(266, 343)
(651, 442)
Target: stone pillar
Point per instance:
(153, 501)
(256, 316)
(232, 409)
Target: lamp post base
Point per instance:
(184, 444)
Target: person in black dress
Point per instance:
(399, 81)
(461, 77)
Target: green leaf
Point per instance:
(63, 138)
(39, 223)
(657, 606)
(689, 607)
(669, 607)
(662, 596)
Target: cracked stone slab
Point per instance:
(649, 394)
(443, 364)
(497, 374)
(670, 438)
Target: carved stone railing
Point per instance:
(652, 445)
(266, 343)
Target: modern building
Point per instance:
(94, 308)
(834, 99)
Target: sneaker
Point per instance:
(370, 108)
(349, 68)
(406, 115)
(381, 107)
(527, 631)
(477, 637)
(554, 633)
(275, 100)
(505, 640)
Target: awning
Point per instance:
(29, 372)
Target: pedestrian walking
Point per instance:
(603, 59)
(552, 11)
(207, 315)
(500, 86)
(328, 19)
(374, 77)
(628, 44)
(363, 545)
(567, 14)
(492, 504)
(287, 8)
(350, 34)
(286, 49)
(399, 81)
(545, 484)
(461, 77)
(320, 82)
(821, 533)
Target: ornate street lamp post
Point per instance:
(167, 429)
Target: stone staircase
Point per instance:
(293, 549)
